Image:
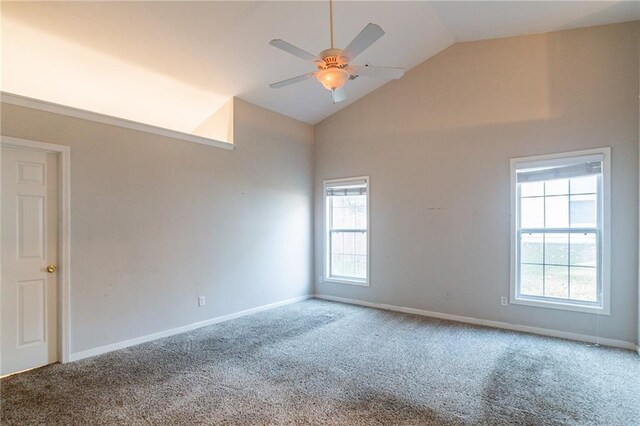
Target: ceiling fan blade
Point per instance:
(295, 51)
(366, 38)
(390, 73)
(338, 95)
(293, 80)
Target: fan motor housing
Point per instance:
(333, 59)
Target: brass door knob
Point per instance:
(51, 269)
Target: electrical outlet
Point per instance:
(503, 301)
(201, 301)
(320, 279)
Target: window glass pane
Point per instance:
(348, 242)
(355, 202)
(583, 250)
(584, 185)
(361, 216)
(532, 213)
(360, 246)
(531, 280)
(557, 212)
(349, 266)
(583, 211)
(556, 249)
(556, 187)
(556, 281)
(344, 266)
(361, 267)
(337, 264)
(342, 215)
(532, 189)
(336, 212)
(584, 284)
(348, 254)
(337, 243)
(349, 212)
(341, 218)
(531, 248)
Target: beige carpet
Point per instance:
(318, 362)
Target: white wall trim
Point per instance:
(487, 323)
(166, 333)
(64, 235)
(23, 101)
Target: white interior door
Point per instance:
(28, 290)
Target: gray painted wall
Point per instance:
(437, 145)
(156, 222)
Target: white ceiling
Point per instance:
(173, 64)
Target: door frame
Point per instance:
(63, 298)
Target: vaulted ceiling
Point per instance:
(174, 64)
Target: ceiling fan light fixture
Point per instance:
(333, 65)
(333, 78)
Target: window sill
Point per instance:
(600, 310)
(344, 281)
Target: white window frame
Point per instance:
(327, 276)
(605, 226)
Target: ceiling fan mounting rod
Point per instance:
(331, 21)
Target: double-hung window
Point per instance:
(560, 213)
(347, 230)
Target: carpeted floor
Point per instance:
(319, 362)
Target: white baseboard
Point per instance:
(488, 323)
(166, 333)
(638, 349)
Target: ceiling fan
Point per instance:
(334, 66)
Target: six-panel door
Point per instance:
(29, 246)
